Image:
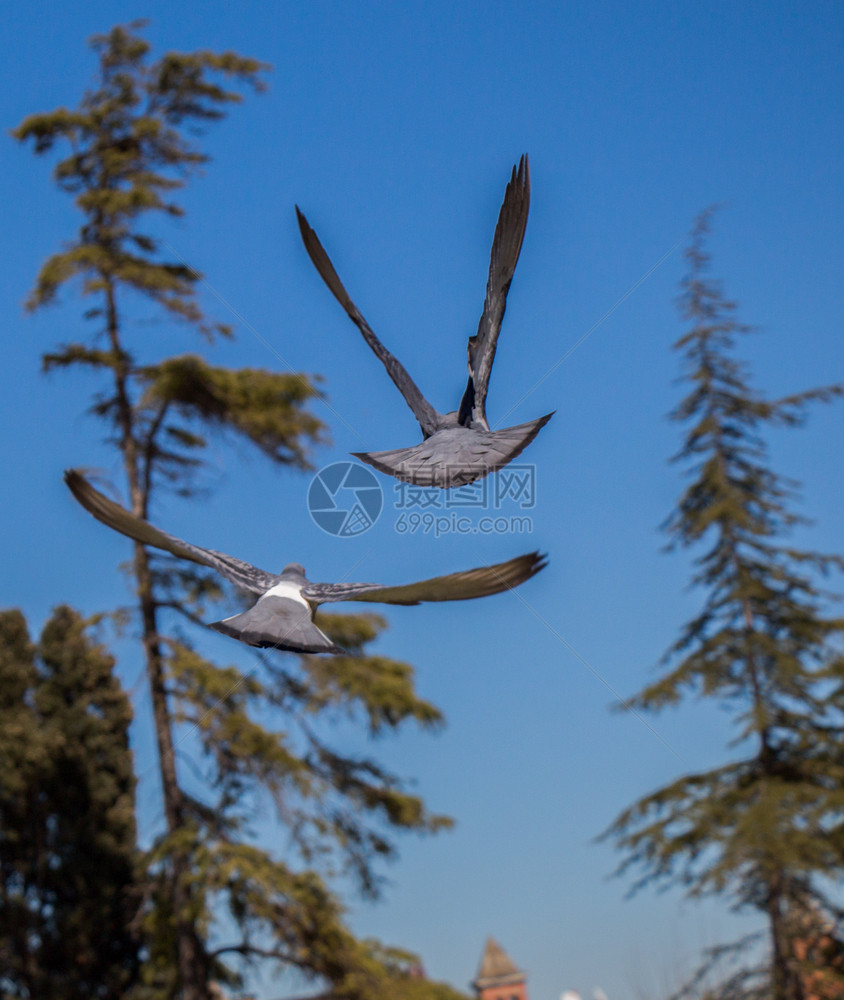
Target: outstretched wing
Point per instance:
(506, 246)
(112, 514)
(479, 582)
(422, 409)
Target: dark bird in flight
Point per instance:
(458, 447)
(283, 615)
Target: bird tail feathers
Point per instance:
(277, 623)
(446, 460)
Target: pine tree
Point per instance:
(766, 830)
(68, 886)
(131, 148)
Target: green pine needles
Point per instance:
(766, 830)
(69, 891)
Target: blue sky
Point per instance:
(394, 127)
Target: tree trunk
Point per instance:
(786, 980)
(192, 962)
(191, 954)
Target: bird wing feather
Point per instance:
(478, 582)
(506, 246)
(241, 573)
(422, 409)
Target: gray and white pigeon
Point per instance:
(458, 447)
(283, 615)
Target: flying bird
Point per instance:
(283, 616)
(458, 447)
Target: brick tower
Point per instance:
(498, 978)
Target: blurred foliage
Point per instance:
(132, 142)
(231, 740)
(766, 830)
(68, 861)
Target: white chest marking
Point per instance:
(286, 589)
